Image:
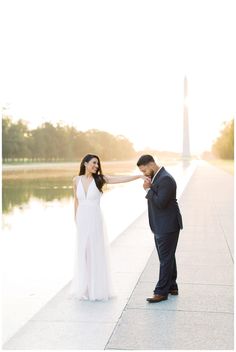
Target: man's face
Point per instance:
(147, 170)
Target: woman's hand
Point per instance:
(145, 178)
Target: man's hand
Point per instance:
(143, 177)
(147, 183)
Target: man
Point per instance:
(165, 222)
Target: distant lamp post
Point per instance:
(186, 144)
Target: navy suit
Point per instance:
(165, 222)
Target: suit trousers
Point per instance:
(166, 244)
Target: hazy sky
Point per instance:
(120, 65)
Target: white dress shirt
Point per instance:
(148, 189)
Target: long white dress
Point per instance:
(92, 275)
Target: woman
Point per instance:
(92, 277)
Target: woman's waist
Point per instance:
(89, 203)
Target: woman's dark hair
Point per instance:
(145, 159)
(98, 176)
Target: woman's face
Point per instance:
(92, 166)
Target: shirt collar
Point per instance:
(156, 174)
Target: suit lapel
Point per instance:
(159, 175)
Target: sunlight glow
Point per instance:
(119, 66)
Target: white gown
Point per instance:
(92, 275)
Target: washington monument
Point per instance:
(186, 145)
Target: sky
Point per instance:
(119, 66)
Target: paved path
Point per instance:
(201, 317)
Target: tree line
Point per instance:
(59, 143)
(223, 147)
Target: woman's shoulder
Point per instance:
(75, 179)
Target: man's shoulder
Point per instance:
(165, 175)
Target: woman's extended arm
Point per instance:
(121, 178)
(76, 202)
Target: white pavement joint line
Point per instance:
(227, 243)
(180, 310)
(224, 234)
(188, 175)
(71, 321)
(120, 349)
(192, 283)
(125, 308)
(128, 227)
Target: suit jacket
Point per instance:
(163, 210)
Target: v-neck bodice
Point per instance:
(92, 195)
(86, 192)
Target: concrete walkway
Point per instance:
(201, 317)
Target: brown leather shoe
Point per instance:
(174, 292)
(157, 298)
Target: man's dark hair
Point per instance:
(145, 159)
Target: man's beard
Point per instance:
(152, 173)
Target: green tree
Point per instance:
(125, 149)
(44, 143)
(110, 147)
(76, 144)
(6, 143)
(15, 137)
(48, 142)
(223, 147)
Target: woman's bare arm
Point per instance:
(121, 178)
(76, 202)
